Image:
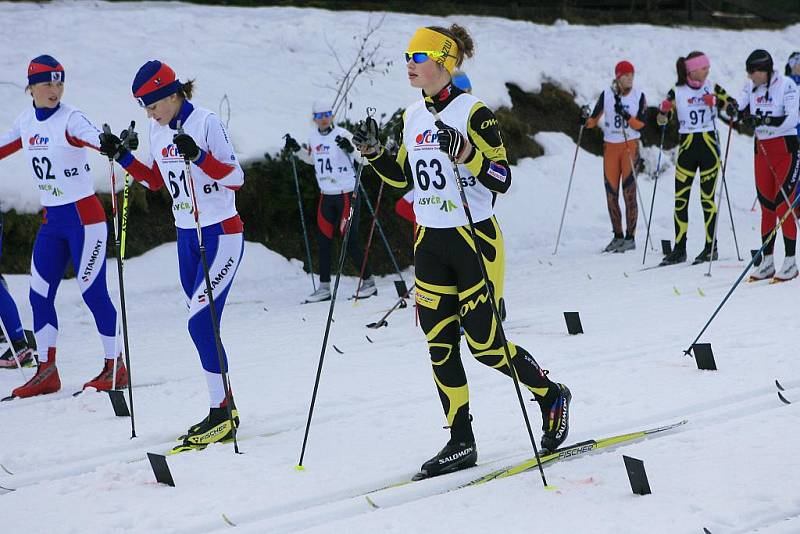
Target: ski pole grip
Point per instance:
(107, 130)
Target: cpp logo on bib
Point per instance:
(427, 140)
(37, 141)
(170, 152)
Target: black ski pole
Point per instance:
(723, 189)
(212, 308)
(399, 303)
(348, 224)
(493, 304)
(635, 177)
(655, 186)
(377, 223)
(757, 255)
(369, 239)
(302, 218)
(121, 279)
(569, 187)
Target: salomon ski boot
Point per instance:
(555, 419)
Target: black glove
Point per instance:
(585, 112)
(621, 111)
(112, 147)
(344, 144)
(732, 109)
(750, 120)
(291, 145)
(366, 137)
(451, 142)
(130, 139)
(186, 146)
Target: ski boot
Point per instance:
(788, 271)
(367, 289)
(705, 255)
(678, 255)
(46, 379)
(322, 293)
(459, 453)
(216, 427)
(616, 242)
(103, 382)
(19, 351)
(456, 455)
(555, 418)
(629, 243)
(763, 271)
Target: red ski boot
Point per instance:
(45, 380)
(102, 382)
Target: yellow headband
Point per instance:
(425, 39)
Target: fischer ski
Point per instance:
(563, 453)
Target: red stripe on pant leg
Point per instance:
(345, 212)
(324, 225)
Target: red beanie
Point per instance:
(623, 67)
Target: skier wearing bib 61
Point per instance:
(179, 132)
(452, 270)
(54, 137)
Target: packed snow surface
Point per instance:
(731, 469)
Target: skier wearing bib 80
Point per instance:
(695, 101)
(217, 175)
(451, 291)
(622, 108)
(54, 137)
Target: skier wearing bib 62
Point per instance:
(180, 131)
(450, 287)
(54, 138)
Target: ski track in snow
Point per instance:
(731, 469)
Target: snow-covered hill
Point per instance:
(732, 469)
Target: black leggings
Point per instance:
(451, 293)
(698, 151)
(331, 213)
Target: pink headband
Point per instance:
(697, 63)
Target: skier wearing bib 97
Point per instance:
(54, 137)
(217, 175)
(450, 288)
(695, 101)
(330, 152)
(623, 110)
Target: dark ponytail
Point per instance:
(680, 67)
(187, 90)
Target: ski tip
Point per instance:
(9, 398)
(371, 502)
(779, 386)
(228, 521)
(783, 399)
(368, 339)
(5, 469)
(337, 349)
(299, 468)
(7, 490)
(77, 393)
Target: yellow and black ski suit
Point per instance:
(451, 292)
(697, 151)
